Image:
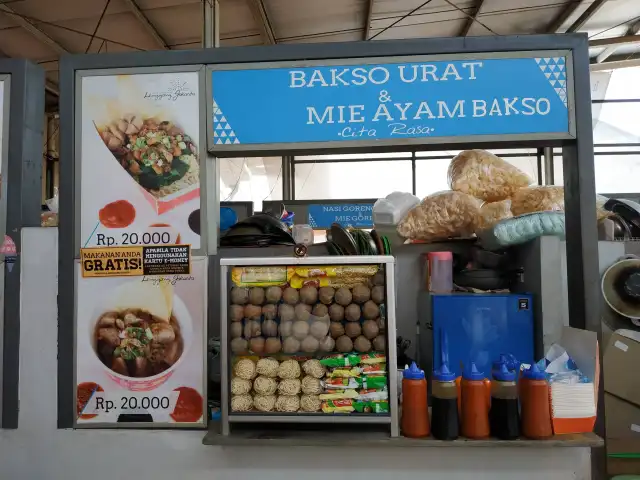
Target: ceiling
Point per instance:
(42, 30)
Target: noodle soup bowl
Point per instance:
(143, 384)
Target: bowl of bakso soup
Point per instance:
(141, 334)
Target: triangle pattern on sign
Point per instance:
(221, 127)
(553, 69)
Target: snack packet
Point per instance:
(344, 372)
(373, 395)
(371, 407)
(298, 281)
(341, 361)
(373, 369)
(376, 382)
(261, 276)
(336, 271)
(337, 406)
(372, 358)
(348, 406)
(338, 394)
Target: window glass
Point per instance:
(614, 173)
(331, 180)
(623, 84)
(355, 156)
(250, 179)
(431, 176)
(617, 123)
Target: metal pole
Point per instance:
(286, 177)
(211, 24)
(548, 166)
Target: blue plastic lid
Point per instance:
(512, 362)
(443, 374)
(228, 218)
(497, 364)
(507, 359)
(413, 372)
(534, 373)
(504, 374)
(472, 373)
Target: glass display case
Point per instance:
(309, 340)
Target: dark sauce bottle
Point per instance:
(445, 423)
(504, 418)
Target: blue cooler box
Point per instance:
(479, 327)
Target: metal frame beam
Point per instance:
(261, 17)
(33, 29)
(631, 35)
(151, 30)
(471, 20)
(52, 88)
(567, 12)
(210, 24)
(586, 16)
(615, 41)
(367, 18)
(619, 61)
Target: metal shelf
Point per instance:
(377, 419)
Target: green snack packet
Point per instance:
(372, 382)
(342, 361)
(371, 407)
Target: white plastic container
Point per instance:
(303, 234)
(393, 208)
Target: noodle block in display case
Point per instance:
(140, 348)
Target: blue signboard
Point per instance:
(357, 215)
(418, 101)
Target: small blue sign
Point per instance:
(357, 215)
(456, 99)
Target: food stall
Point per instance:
(369, 97)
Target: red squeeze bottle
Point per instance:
(415, 412)
(534, 403)
(475, 404)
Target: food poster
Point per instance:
(140, 162)
(140, 348)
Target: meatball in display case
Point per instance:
(309, 340)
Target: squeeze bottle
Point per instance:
(415, 412)
(445, 424)
(475, 404)
(504, 418)
(534, 401)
